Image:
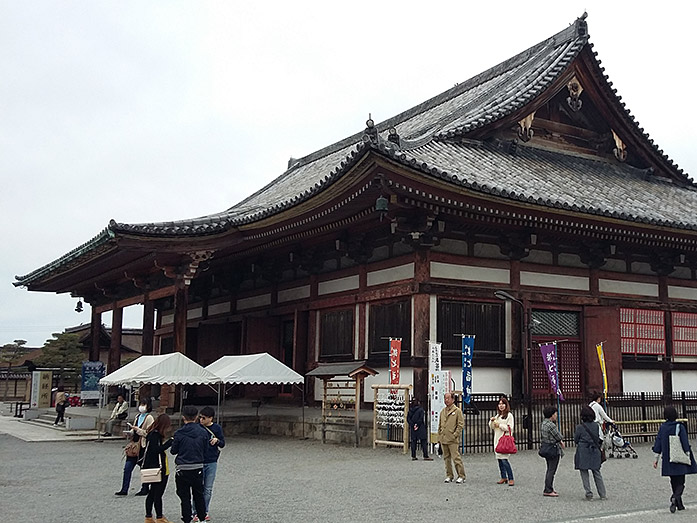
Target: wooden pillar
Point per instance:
(148, 327)
(421, 329)
(180, 309)
(115, 347)
(95, 331)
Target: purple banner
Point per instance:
(549, 358)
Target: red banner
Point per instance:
(395, 351)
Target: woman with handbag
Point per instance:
(158, 441)
(551, 448)
(502, 425)
(139, 427)
(589, 439)
(673, 446)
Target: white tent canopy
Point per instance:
(254, 369)
(174, 368)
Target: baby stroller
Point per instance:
(616, 445)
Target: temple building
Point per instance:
(531, 180)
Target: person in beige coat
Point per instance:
(450, 427)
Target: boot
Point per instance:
(162, 520)
(148, 519)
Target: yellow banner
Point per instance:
(601, 359)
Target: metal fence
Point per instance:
(478, 437)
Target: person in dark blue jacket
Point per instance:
(416, 419)
(189, 445)
(210, 458)
(661, 449)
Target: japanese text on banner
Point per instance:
(549, 358)
(395, 351)
(467, 348)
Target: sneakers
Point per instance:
(460, 480)
(551, 494)
(106, 434)
(448, 480)
(195, 520)
(208, 518)
(415, 459)
(589, 496)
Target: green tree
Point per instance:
(63, 352)
(8, 354)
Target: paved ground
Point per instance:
(265, 479)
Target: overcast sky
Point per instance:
(152, 111)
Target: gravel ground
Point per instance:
(267, 479)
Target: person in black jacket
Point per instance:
(416, 419)
(589, 439)
(157, 441)
(189, 444)
(661, 449)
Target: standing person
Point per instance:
(120, 412)
(141, 423)
(61, 404)
(210, 457)
(450, 427)
(588, 438)
(156, 443)
(550, 435)
(598, 410)
(189, 444)
(661, 448)
(502, 424)
(416, 419)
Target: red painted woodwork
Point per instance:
(601, 324)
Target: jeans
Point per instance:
(155, 498)
(190, 484)
(127, 473)
(505, 469)
(598, 478)
(209, 470)
(552, 464)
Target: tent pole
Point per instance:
(303, 407)
(181, 404)
(99, 414)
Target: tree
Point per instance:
(8, 354)
(63, 352)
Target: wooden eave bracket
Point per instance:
(525, 131)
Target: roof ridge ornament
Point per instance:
(525, 131)
(620, 149)
(371, 132)
(575, 90)
(582, 26)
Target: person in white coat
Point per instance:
(502, 424)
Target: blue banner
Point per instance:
(467, 348)
(92, 372)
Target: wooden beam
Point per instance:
(140, 298)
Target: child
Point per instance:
(189, 445)
(210, 458)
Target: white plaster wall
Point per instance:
(194, 313)
(219, 308)
(682, 293)
(254, 301)
(167, 319)
(485, 380)
(684, 380)
(628, 287)
(296, 293)
(401, 272)
(338, 285)
(554, 281)
(636, 380)
(406, 377)
(469, 273)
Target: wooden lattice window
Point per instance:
(336, 333)
(642, 332)
(389, 319)
(484, 320)
(684, 334)
(569, 365)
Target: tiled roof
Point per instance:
(428, 134)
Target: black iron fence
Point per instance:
(478, 437)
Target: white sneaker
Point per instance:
(448, 480)
(460, 480)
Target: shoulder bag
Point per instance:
(677, 454)
(151, 475)
(212, 436)
(506, 444)
(549, 450)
